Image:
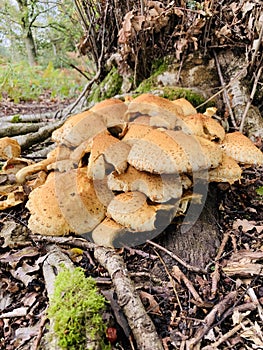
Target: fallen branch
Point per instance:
(140, 323)
(42, 134)
(13, 129)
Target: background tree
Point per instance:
(39, 28)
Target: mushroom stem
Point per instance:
(32, 169)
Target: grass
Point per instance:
(20, 82)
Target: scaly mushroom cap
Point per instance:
(46, 217)
(173, 152)
(135, 132)
(157, 188)
(228, 171)
(9, 148)
(201, 153)
(107, 149)
(185, 105)
(158, 153)
(113, 112)
(67, 202)
(79, 128)
(131, 210)
(242, 149)
(204, 126)
(107, 232)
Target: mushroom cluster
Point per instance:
(122, 169)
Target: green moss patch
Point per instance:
(76, 309)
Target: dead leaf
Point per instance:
(153, 305)
(247, 225)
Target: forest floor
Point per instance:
(218, 306)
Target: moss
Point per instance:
(108, 88)
(16, 119)
(76, 308)
(149, 84)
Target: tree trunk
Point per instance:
(30, 48)
(199, 244)
(26, 24)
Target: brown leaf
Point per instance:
(247, 225)
(153, 305)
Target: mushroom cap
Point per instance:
(228, 171)
(157, 188)
(204, 126)
(158, 153)
(130, 209)
(135, 132)
(186, 106)
(173, 152)
(79, 128)
(46, 217)
(242, 149)
(201, 153)
(145, 104)
(107, 232)
(67, 202)
(113, 112)
(107, 149)
(9, 148)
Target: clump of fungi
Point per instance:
(120, 167)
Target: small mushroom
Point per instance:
(157, 188)
(131, 210)
(67, 202)
(186, 106)
(204, 126)
(9, 148)
(228, 171)
(31, 169)
(10, 196)
(242, 149)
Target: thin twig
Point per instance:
(171, 281)
(225, 94)
(259, 40)
(236, 77)
(250, 99)
(216, 274)
(175, 257)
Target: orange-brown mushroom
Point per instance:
(9, 148)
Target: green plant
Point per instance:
(76, 310)
(20, 82)
(259, 191)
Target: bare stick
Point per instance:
(180, 276)
(216, 274)
(250, 99)
(175, 257)
(225, 94)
